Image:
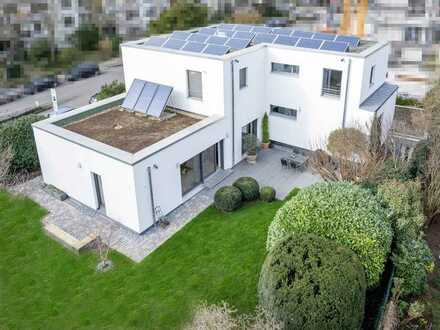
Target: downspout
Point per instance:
(150, 184)
(233, 112)
(347, 84)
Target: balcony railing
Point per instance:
(332, 91)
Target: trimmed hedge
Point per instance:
(343, 212)
(310, 282)
(249, 187)
(292, 194)
(267, 194)
(228, 198)
(18, 134)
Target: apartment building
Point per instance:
(193, 97)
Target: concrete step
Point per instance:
(67, 240)
(217, 177)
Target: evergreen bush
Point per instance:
(228, 198)
(249, 188)
(267, 194)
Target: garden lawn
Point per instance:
(217, 257)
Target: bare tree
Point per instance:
(105, 241)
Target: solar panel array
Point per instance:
(147, 97)
(223, 38)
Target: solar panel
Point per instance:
(264, 37)
(209, 31)
(261, 29)
(309, 43)
(155, 41)
(286, 40)
(181, 35)
(159, 101)
(216, 50)
(283, 31)
(238, 43)
(302, 34)
(198, 37)
(225, 33)
(244, 35)
(195, 47)
(335, 46)
(217, 40)
(244, 28)
(174, 44)
(145, 97)
(227, 26)
(133, 94)
(353, 41)
(324, 36)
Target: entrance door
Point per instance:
(99, 191)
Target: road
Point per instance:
(74, 94)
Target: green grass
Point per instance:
(217, 257)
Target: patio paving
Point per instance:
(80, 221)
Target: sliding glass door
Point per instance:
(195, 170)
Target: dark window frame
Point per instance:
(282, 68)
(243, 79)
(289, 113)
(329, 88)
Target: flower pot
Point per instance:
(251, 159)
(265, 145)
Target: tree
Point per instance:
(182, 15)
(40, 52)
(247, 16)
(86, 37)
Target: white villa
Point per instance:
(192, 96)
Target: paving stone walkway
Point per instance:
(80, 221)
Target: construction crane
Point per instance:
(361, 13)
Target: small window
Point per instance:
(195, 84)
(331, 84)
(287, 112)
(285, 68)
(372, 71)
(68, 21)
(66, 4)
(243, 78)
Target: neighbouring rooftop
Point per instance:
(129, 131)
(221, 39)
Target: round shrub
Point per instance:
(228, 198)
(267, 194)
(249, 187)
(310, 282)
(343, 212)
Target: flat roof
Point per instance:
(223, 41)
(130, 131)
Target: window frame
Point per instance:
(327, 90)
(372, 74)
(294, 72)
(240, 83)
(284, 115)
(189, 94)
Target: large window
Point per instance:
(195, 170)
(250, 128)
(285, 68)
(331, 84)
(195, 84)
(243, 78)
(287, 112)
(413, 33)
(68, 21)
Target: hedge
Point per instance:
(343, 212)
(228, 198)
(267, 194)
(310, 282)
(249, 187)
(18, 134)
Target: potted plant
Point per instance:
(265, 130)
(250, 143)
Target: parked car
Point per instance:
(8, 95)
(83, 70)
(40, 84)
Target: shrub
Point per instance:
(213, 317)
(418, 160)
(249, 188)
(67, 56)
(343, 212)
(109, 90)
(265, 128)
(347, 142)
(292, 194)
(250, 144)
(228, 198)
(17, 134)
(267, 194)
(304, 280)
(413, 261)
(390, 169)
(404, 199)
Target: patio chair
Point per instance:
(284, 163)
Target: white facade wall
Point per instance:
(69, 166)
